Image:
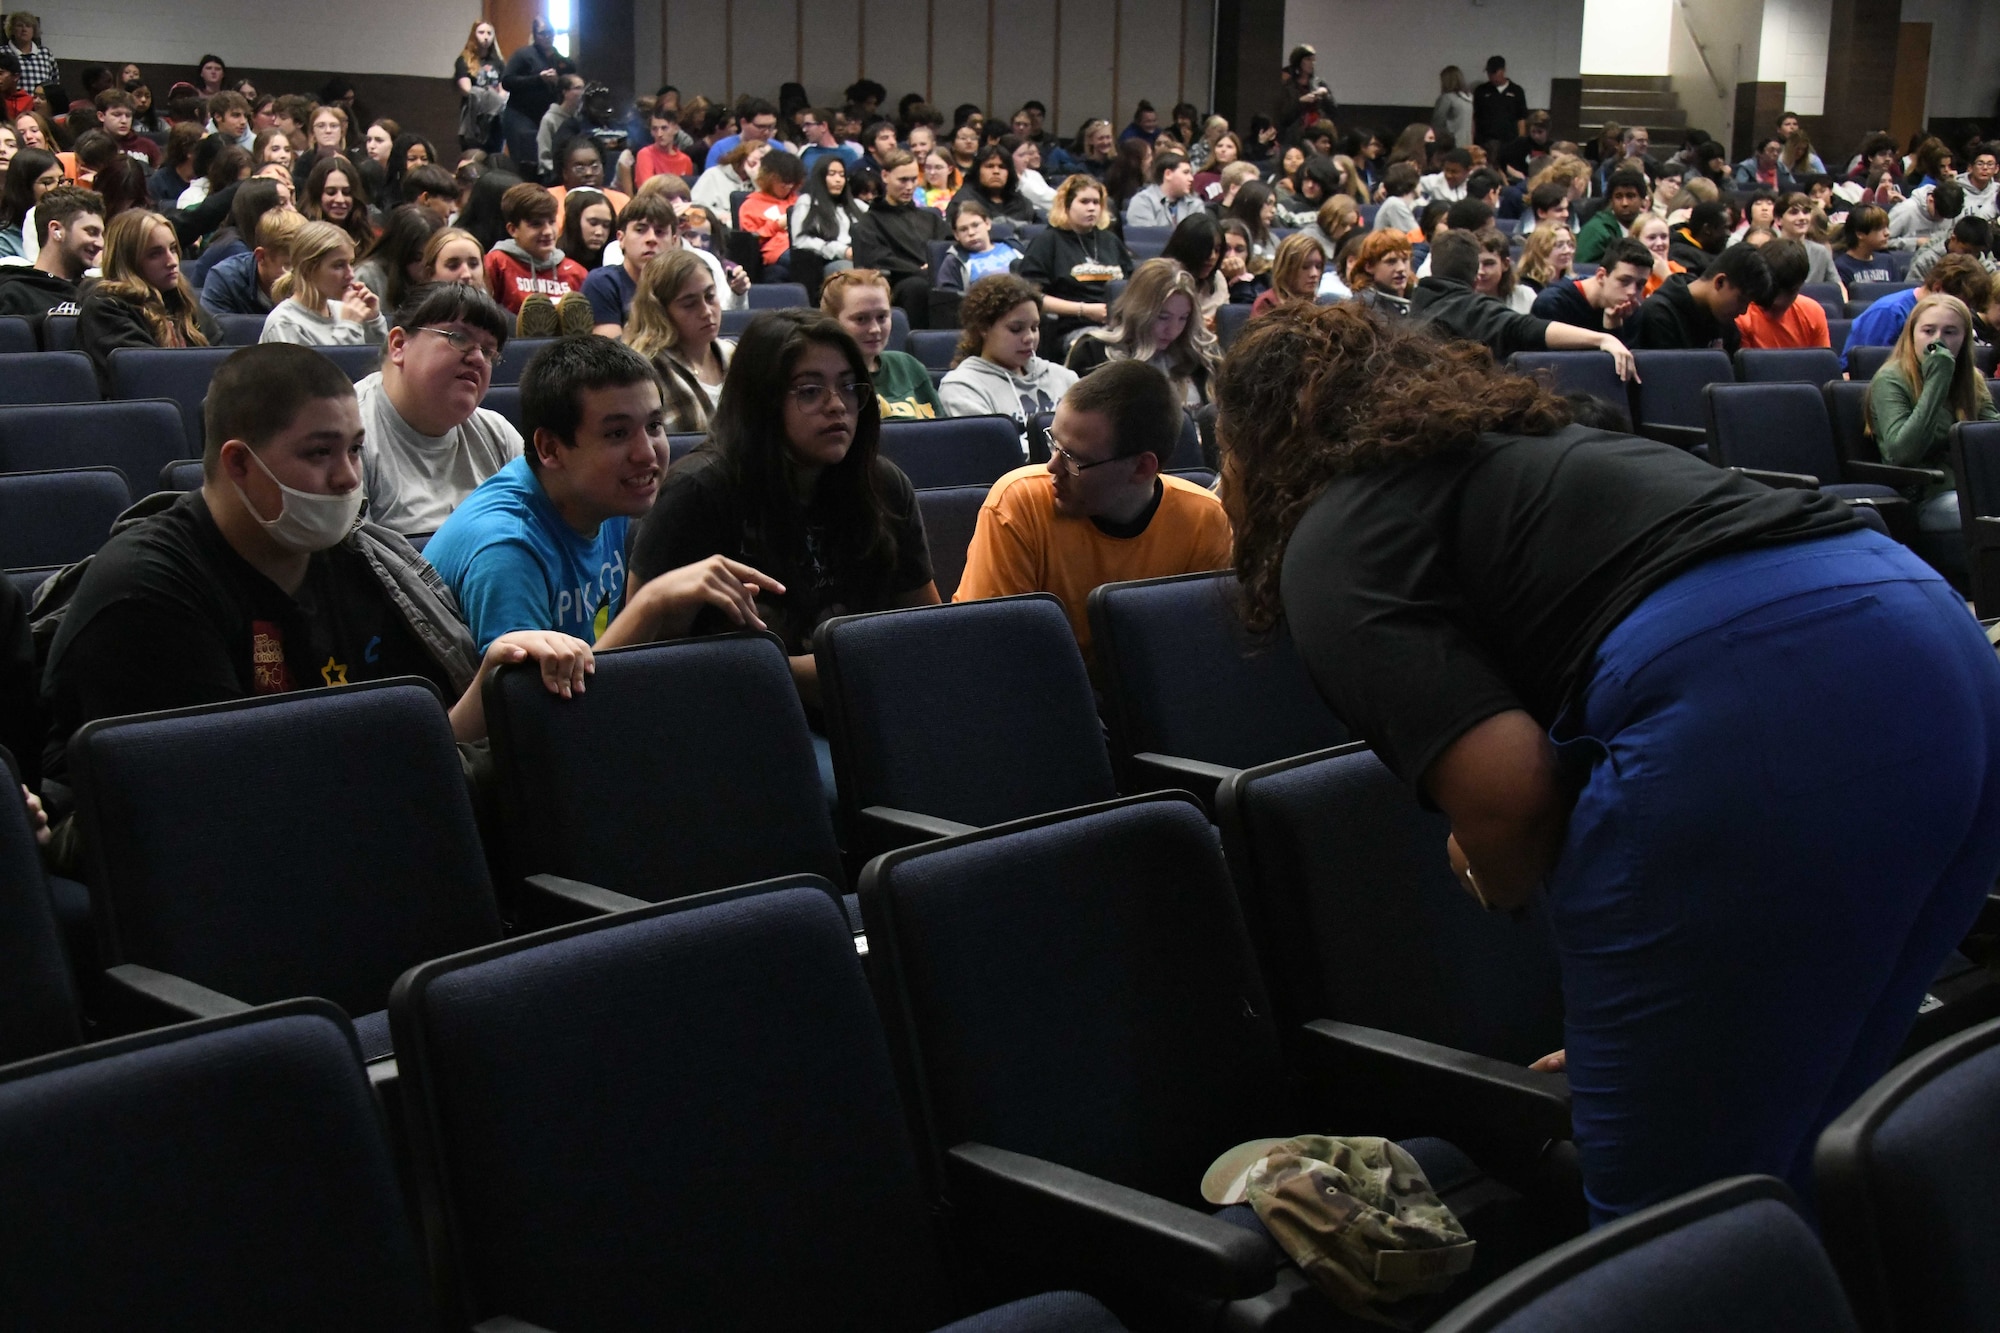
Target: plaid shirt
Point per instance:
(38, 67)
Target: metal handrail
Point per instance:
(1681, 7)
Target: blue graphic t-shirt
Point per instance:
(514, 564)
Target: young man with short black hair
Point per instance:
(69, 226)
(756, 121)
(1789, 318)
(646, 229)
(1548, 206)
(434, 188)
(1449, 300)
(1499, 108)
(1695, 243)
(1627, 200)
(1981, 183)
(1926, 214)
(1607, 299)
(1693, 312)
(1484, 186)
(541, 543)
(267, 579)
(1100, 511)
(1448, 182)
(1970, 235)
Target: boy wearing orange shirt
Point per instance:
(767, 214)
(1790, 318)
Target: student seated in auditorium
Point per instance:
(1695, 243)
(142, 300)
(1608, 298)
(676, 320)
(1455, 308)
(1295, 274)
(1627, 199)
(115, 111)
(974, 254)
(1076, 259)
(1380, 274)
(1789, 318)
(1926, 214)
(895, 236)
(1970, 235)
(996, 371)
(430, 443)
(767, 213)
(267, 579)
(664, 153)
(528, 273)
(1169, 199)
(1100, 511)
(646, 228)
(540, 545)
(1398, 212)
(791, 483)
(1448, 181)
(434, 189)
(858, 300)
(824, 214)
(1154, 322)
(245, 284)
(1960, 276)
(70, 227)
(1693, 312)
(1865, 236)
(320, 301)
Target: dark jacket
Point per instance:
(231, 287)
(32, 294)
(1682, 250)
(1673, 320)
(897, 240)
(1461, 312)
(528, 93)
(104, 325)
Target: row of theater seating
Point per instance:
(610, 1117)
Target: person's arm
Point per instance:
(871, 248)
(1907, 430)
(665, 606)
(565, 662)
(520, 75)
(109, 672)
(1502, 789)
(1001, 560)
(1570, 338)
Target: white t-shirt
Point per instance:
(415, 481)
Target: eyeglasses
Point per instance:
(1075, 467)
(812, 397)
(462, 343)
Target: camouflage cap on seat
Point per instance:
(1357, 1215)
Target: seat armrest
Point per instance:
(1784, 481)
(884, 827)
(1682, 437)
(1498, 1112)
(506, 1323)
(1889, 474)
(1037, 1209)
(551, 900)
(1166, 772)
(137, 998)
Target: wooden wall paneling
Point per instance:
(695, 41)
(511, 20)
(958, 54)
(1911, 88)
(1085, 86)
(1024, 55)
(832, 49)
(763, 46)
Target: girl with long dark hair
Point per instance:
(824, 215)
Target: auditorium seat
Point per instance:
(1863, 362)
(38, 1000)
(777, 296)
(934, 347)
(184, 475)
(1669, 392)
(1787, 365)
(226, 1174)
(1229, 322)
(180, 374)
(48, 377)
(1975, 461)
(1189, 696)
(1075, 996)
(1779, 433)
(1867, 293)
(506, 400)
(953, 451)
(1358, 916)
(951, 513)
(1732, 1255)
(1147, 235)
(357, 363)
(58, 517)
(1593, 373)
(241, 330)
(1837, 327)
(963, 715)
(16, 335)
(1909, 1189)
(1846, 408)
(707, 733)
(514, 358)
(682, 443)
(138, 438)
(59, 333)
(682, 1118)
(899, 329)
(1828, 294)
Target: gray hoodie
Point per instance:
(978, 387)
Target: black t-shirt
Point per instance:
(702, 511)
(1563, 302)
(1429, 596)
(1672, 319)
(169, 615)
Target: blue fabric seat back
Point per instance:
(59, 333)
(899, 329)
(1182, 677)
(179, 374)
(38, 1004)
(1734, 1255)
(1863, 362)
(56, 518)
(241, 330)
(184, 475)
(1080, 988)
(228, 1174)
(955, 451)
(316, 843)
(1153, 234)
(1837, 326)
(1787, 365)
(137, 438)
(679, 1118)
(1229, 322)
(1846, 410)
(48, 377)
(1976, 451)
(1359, 918)
(777, 296)
(735, 321)
(951, 514)
(506, 400)
(1772, 428)
(16, 335)
(708, 734)
(1909, 1185)
(1828, 294)
(934, 347)
(357, 363)
(978, 712)
(682, 443)
(1575, 372)
(1867, 292)
(1670, 384)
(514, 358)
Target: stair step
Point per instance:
(1655, 83)
(1617, 97)
(1666, 118)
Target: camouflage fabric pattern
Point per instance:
(1361, 1221)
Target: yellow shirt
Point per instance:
(1022, 545)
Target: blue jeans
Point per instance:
(1791, 816)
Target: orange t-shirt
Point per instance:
(1803, 325)
(769, 219)
(1022, 545)
(1658, 280)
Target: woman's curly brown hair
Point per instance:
(1309, 393)
(986, 303)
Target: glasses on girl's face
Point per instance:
(813, 397)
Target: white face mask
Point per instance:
(307, 522)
